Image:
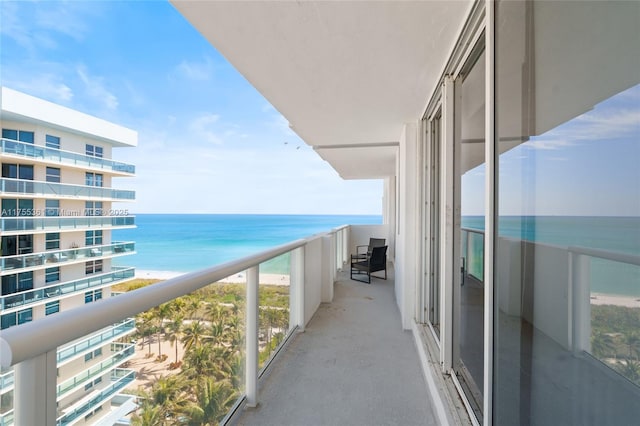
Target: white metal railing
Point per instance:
(32, 346)
(63, 190)
(53, 258)
(38, 152)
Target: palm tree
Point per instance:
(193, 335)
(632, 340)
(198, 361)
(213, 401)
(173, 333)
(161, 313)
(149, 415)
(630, 369)
(145, 327)
(192, 305)
(602, 344)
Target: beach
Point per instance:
(269, 279)
(614, 299)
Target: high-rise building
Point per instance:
(57, 250)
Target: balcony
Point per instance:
(63, 191)
(53, 258)
(66, 158)
(56, 291)
(363, 317)
(120, 378)
(21, 224)
(353, 365)
(77, 349)
(120, 353)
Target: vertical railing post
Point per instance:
(580, 288)
(253, 275)
(296, 308)
(35, 390)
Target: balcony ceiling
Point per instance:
(342, 73)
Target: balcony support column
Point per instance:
(35, 391)
(253, 275)
(296, 289)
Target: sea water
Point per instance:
(186, 243)
(611, 234)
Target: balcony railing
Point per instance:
(52, 292)
(6, 419)
(120, 353)
(120, 378)
(76, 349)
(63, 223)
(53, 258)
(472, 253)
(63, 190)
(117, 330)
(37, 152)
(306, 291)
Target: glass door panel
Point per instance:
(470, 184)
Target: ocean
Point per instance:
(612, 234)
(186, 243)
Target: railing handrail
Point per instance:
(59, 251)
(106, 161)
(607, 255)
(66, 185)
(34, 338)
(615, 256)
(114, 270)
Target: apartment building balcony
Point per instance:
(353, 365)
(32, 188)
(79, 348)
(120, 378)
(20, 224)
(120, 353)
(44, 155)
(12, 302)
(53, 258)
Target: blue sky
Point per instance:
(208, 141)
(587, 166)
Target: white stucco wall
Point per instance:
(408, 215)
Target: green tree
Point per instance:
(602, 345)
(173, 332)
(193, 334)
(213, 401)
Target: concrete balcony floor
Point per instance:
(353, 365)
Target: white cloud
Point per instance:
(46, 86)
(95, 88)
(203, 127)
(198, 71)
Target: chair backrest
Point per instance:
(378, 257)
(375, 242)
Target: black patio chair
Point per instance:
(362, 252)
(377, 261)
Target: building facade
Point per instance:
(57, 252)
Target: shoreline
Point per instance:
(269, 279)
(614, 299)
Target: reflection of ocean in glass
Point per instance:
(614, 234)
(185, 243)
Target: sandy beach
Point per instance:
(271, 279)
(613, 299)
(147, 368)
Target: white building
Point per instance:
(57, 250)
(492, 123)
